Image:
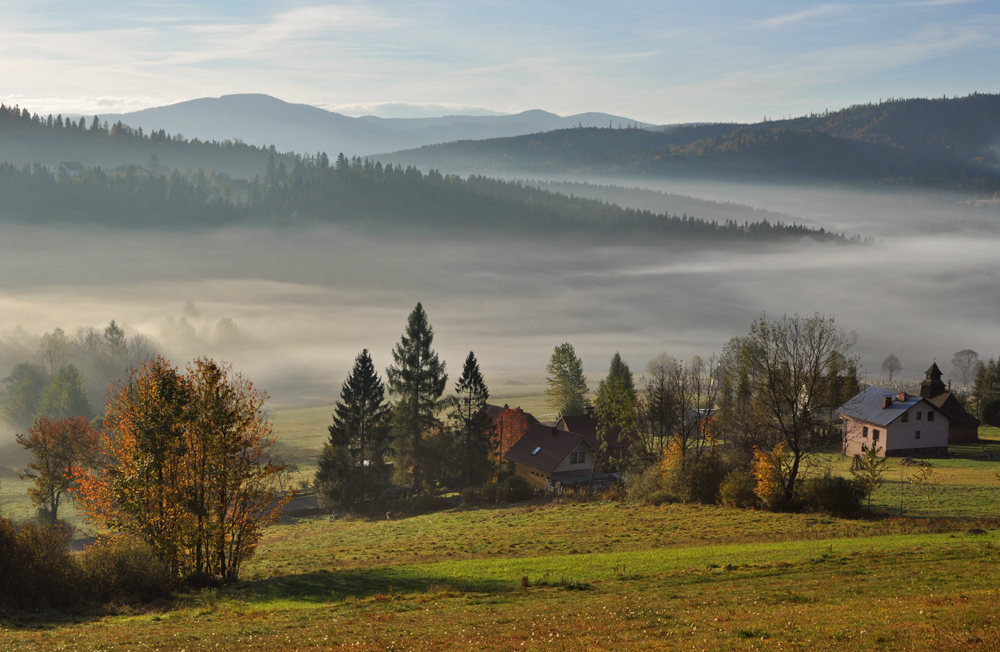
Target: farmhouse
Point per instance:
(69, 168)
(586, 425)
(550, 458)
(893, 423)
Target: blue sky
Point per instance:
(659, 62)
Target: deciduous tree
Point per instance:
(567, 389)
(891, 365)
(966, 363)
(188, 466)
(60, 449)
(781, 367)
(510, 425)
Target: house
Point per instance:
(70, 168)
(963, 427)
(552, 458)
(586, 425)
(895, 424)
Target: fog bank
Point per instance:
(305, 301)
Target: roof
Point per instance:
(544, 447)
(493, 411)
(867, 406)
(952, 408)
(71, 165)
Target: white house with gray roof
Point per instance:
(895, 424)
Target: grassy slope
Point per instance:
(589, 576)
(597, 576)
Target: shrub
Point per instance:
(737, 489)
(36, 568)
(832, 494)
(648, 487)
(123, 569)
(512, 489)
(697, 478)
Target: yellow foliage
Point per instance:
(769, 472)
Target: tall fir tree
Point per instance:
(418, 379)
(469, 415)
(352, 467)
(567, 389)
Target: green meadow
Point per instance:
(590, 575)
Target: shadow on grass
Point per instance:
(330, 586)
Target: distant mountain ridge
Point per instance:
(263, 120)
(947, 141)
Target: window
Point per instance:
(918, 416)
(916, 435)
(905, 418)
(578, 458)
(930, 415)
(864, 432)
(875, 434)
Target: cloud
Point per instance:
(809, 14)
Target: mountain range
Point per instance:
(263, 120)
(952, 142)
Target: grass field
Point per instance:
(576, 576)
(567, 575)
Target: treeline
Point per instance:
(27, 137)
(942, 142)
(347, 191)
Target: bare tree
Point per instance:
(966, 364)
(891, 365)
(783, 369)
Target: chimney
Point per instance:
(886, 402)
(901, 397)
(589, 410)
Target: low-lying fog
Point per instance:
(305, 301)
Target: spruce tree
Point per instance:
(469, 415)
(417, 378)
(352, 466)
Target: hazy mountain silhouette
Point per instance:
(264, 120)
(952, 142)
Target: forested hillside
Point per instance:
(940, 142)
(350, 192)
(48, 140)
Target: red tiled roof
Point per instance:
(544, 447)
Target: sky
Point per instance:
(655, 61)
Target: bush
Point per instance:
(831, 494)
(36, 568)
(648, 487)
(123, 569)
(697, 479)
(736, 489)
(513, 489)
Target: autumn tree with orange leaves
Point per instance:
(188, 466)
(60, 448)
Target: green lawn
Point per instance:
(576, 576)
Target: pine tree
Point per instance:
(567, 385)
(470, 417)
(418, 379)
(353, 463)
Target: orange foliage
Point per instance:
(60, 448)
(510, 425)
(188, 466)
